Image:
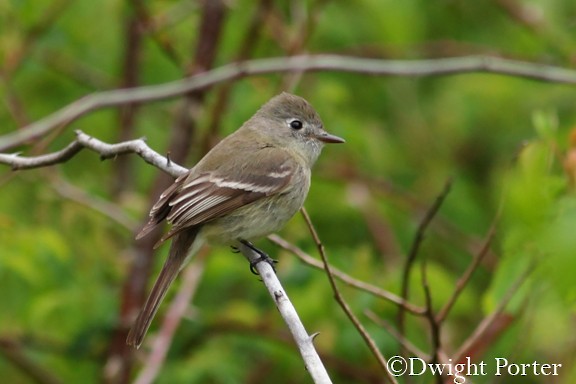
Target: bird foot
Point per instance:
(262, 257)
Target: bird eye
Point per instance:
(296, 124)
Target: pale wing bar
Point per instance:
(209, 196)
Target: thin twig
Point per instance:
(463, 281)
(485, 324)
(406, 199)
(347, 279)
(406, 344)
(434, 326)
(12, 351)
(104, 207)
(304, 22)
(303, 63)
(33, 35)
(415, 247)
(160, 21)
(357, 324)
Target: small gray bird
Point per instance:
(248, 186)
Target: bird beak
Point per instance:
(328, 138)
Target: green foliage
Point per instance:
(502, 140)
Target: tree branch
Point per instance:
(484, 326)
(12, 351)
(406, 344)
(104, 207)
(340, 300)
(434, 325)
(415, 247)
(304, 341)
(461, 283)
(347, 279)
(105, 150)
(303, 63)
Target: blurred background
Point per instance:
(72, 277)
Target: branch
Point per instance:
(304, 341)
(303, 63)
(365, 335)
(12, 351)
(461, 283)
(434, 325)
(97, 204)
(406, 344)
(245, 50)
(486, 324)
(347, 279)
(105, 150)
(418, 238)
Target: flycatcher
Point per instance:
(248, 186)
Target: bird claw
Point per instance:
(262, 257)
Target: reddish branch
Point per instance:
(134, 290)
(12, 351)
(411, 258)
(133, 36)
(492, 326)
(344, 305)
(251, 37)
(463, 281)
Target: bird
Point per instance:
(246, 187)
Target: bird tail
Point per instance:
(179, 251)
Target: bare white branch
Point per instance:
(105, 150)
(303, 340)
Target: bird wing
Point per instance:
(200, 196)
